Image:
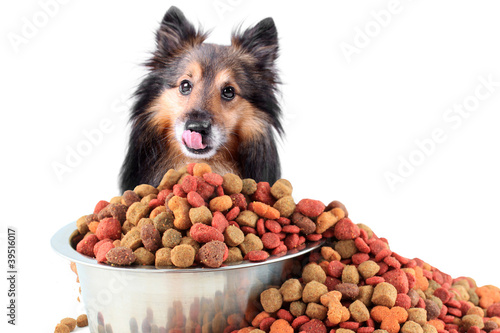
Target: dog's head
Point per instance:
(212, 95)
(211, 102)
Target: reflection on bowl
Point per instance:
(146, 299)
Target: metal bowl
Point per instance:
(146, 299)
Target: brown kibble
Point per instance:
(306, 225)
(247, 218)
(251, 243)
(70, 322)
(346, 248)
(313, 291)
(350, 274)
(366, 228)
(191, 242)
(291, 290)
(61, 328)
(316, 311)
(132, 239)
(171, 238)
(232, 183)
(180, 208)
(144, 257)
(82, 225)
(163, 221)
(82, 321)
(271, 300)
(313, 272)
(285, 205)
(144, 221)
(428, 328)
(129, 197)
(136, 212)
(200, 215)
(163, 257)
(116, 200)
(348, 290)
(359, 311)
(120, 256)
(325, 221)
(233, 236)
(368, 268)
(417, 315)
(330, 254)
(281, 188)
(144, 190)
(249, 186)
(365, 294)
(221, 203)
(182, 255)
(234, 255)
(471, 320)
(298, 308)
(200, 169)
(169, 179)
(411, 327)
(384, 294)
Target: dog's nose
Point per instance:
(201, 126)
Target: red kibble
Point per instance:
(474, 329)
(443, 312)
(239, 201)
(235, 224)
(420, 303)
(443, 294)
(280, 249)
(86, 245)
(219, 191)
(350, 325)
(203, 233)
(100, 205)
(313, 326)
(359, 258)
(402, 260)
(411, 264)
(365, 330)
(398, 279)
(493, 310)
(314, 237)
(382, 254)
(302, 240)
(213, 178)
(292, 241)
(310, 207)
(282, 235)
(178, 191)
(335, 268)
(248, 230)
(283, 221)
(299, 321)
(265, 324)
(427, 274)
(328, 233)
(99, 243)
(284, 314)
(155, 203)
(189, 183)
(163, 194)
(270, 240)
(233, 213)
(345, 229)
(455, 312)
(273, 226)
(361, 245)
(290, 229)
(331, 283)
(103, 250)
(377, 245)
(109, 228)
(374, 280)
(263, 194)
(190, 168)
(392, 262)
(204, 189)
(261, 229)
(194, 199)
(412, 280)
(403, 301)
(257, 255)
(383, 268)
(453, 303)
(219, 222)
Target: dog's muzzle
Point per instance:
(197, 132)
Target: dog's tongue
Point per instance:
(193, 140)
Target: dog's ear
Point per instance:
(260, 40)
(175, 34)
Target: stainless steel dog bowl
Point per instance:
(146, 299)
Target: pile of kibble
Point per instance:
(69, 324)
(354, 283)
(199, 218)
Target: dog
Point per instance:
(203, 102)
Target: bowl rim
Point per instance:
(61, 244)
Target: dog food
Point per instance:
(69, 324)
(194, 207)
(358, 284)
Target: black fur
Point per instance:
(146, 159)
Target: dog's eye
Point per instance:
(228, 93)
(185, 87)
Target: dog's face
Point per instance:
(203, 102)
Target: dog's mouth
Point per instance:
(194, 142)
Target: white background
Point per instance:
(347, 123)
